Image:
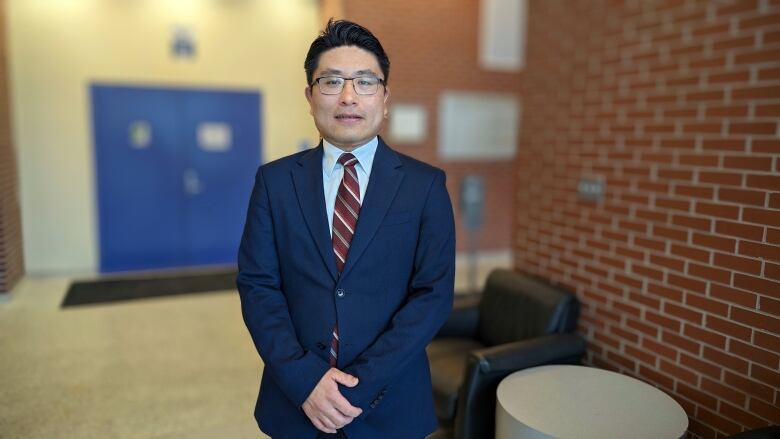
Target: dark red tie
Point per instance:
(345, 216)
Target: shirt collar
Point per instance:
(363, 153)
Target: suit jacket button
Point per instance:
(321, 345)
(340, 292)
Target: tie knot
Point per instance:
(347, 159)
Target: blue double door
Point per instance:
(175, 168)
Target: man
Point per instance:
(346, 265)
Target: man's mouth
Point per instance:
(348, 117)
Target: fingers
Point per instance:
(335, 418)
(344, 378)
(343, 406)
(321, 427)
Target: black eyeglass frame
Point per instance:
(317, 82)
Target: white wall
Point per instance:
(58, 47)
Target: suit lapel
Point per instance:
(308, 187)
(383, 183)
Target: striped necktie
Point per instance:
(345, 216)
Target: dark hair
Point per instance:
(344, 33)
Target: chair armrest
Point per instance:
(485, 368)
(511, 357)
(464, 317)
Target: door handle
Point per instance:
(192, 183)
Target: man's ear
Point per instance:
(307, 93)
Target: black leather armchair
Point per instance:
(517, 322)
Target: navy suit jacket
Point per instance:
(395, 292)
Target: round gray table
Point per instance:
(580, 402)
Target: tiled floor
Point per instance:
(170, 368)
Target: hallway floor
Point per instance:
(169, 368)
(165, 368)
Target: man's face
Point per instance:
(348, 120)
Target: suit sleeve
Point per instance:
(427, 307)
(264, 305)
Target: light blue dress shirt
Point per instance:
(332, 172)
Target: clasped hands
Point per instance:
(327, 409)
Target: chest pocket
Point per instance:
(396, 218)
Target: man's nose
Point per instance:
(348, 94)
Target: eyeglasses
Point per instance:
(333, 85)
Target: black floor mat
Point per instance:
(131, 288)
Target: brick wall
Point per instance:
(432, 48)
(675, 105)
(11, 260)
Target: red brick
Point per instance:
(715, 209)
(723, 392)
(696, 191)
(642, 327)
(696, 395)
(771, 182)
(752, 128)
(663, 321)
(728, 178)
(732, 295)
(652, 244)
(768, 110)
(756, 320)
(728, 327)
(726, 360)
(739, 415)
(705, 304)
(687, 283)
(622, 360)
(679, 174)
(772, 270)
(627, 309)
(665, 292)
(722, 144)
(714, 242)
(746, 265)
(773, 236)
(770, 412)
(726, 111)
(645, 271)
(768, 74)
(740, 78)
(701, 160)
(675, 204)
(756, 198)
(771, 377)
(692, 222)
(667, 262)
(656, 377)
(755, 93)
(640, 355)
(761, 356)
(749, 386)
(691, 253)
(733, 8)
(756, 284)
(670, 233)
(704, 128)
(766, 341)
(756, 250)
(760, 21)
(683, 313)
(757, 56)
(740, 230)
(761, 216)
(678, 372)
(769, 305)
(718, 421)
(774, 201)
(710, 273)
(711, 338)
